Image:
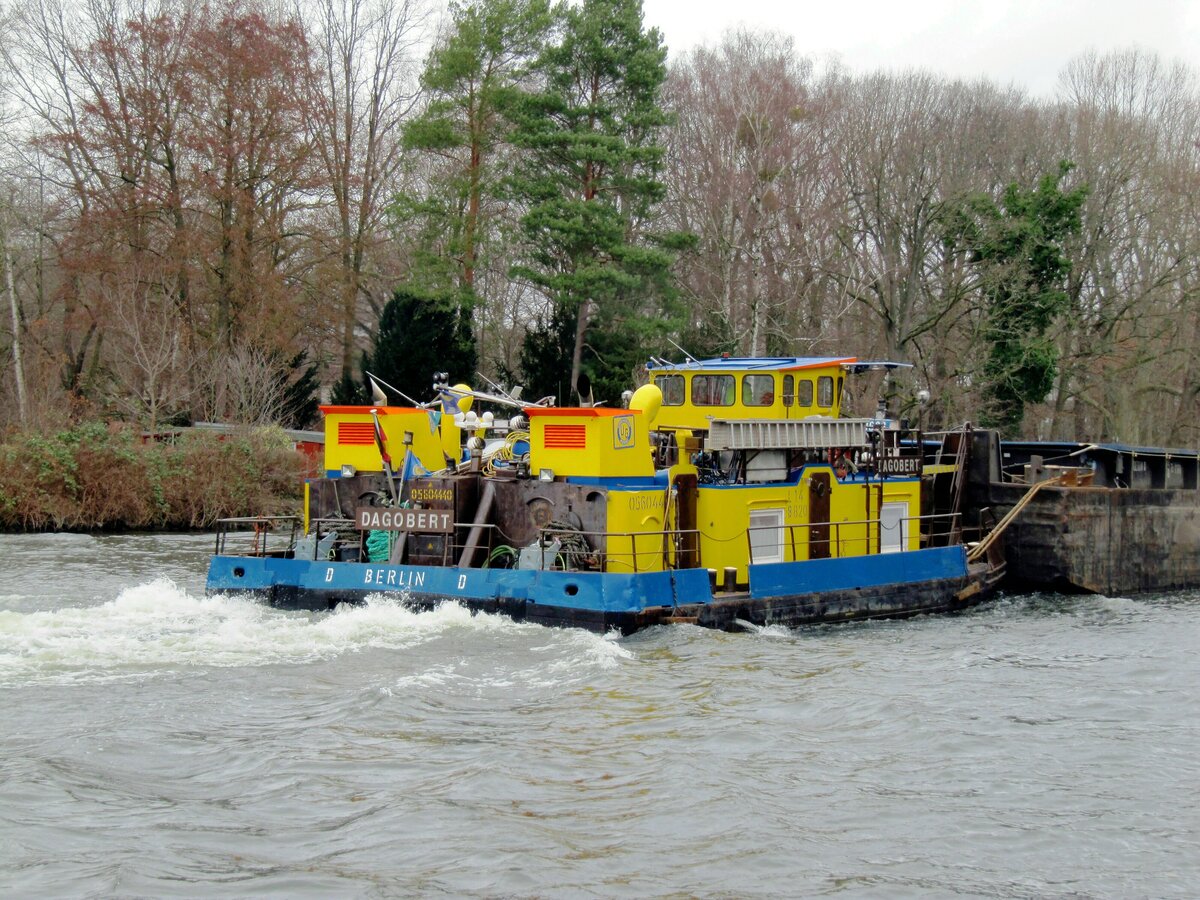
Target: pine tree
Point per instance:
(462, 138)
(418, 335)
(589, 180)
(299, 385)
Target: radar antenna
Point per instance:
(689, 356)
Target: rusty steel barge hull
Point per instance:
(1102, 540)
(1118, 519)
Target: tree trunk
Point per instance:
(18, 369)
(581, 324)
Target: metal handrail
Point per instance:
(260, 529)
(673, 550)
(836, 539)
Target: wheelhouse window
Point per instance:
(804, 392)
(672, 388)
(825, 391)
(713, 390)
(758, 390)
(789, 390)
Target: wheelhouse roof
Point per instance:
(751, 363)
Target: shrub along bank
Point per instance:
(96, 476)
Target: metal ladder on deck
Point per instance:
(957, 483)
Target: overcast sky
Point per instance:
(1025, 42)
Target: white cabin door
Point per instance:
(893, 529)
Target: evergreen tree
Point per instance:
(468, 78)
(1017, 246)
(588, 178)
(418, 335)
(546, 355)
(348, 392)
(300, 404)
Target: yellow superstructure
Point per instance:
(350, 437)
(636, 541)
(732, 388)
(593, 442)
(783, 525)
(719, 464)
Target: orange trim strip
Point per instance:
(831, 364)
(579, 412)
(366, 410)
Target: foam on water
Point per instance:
(567, 656)
(158, 626)
(766, 631)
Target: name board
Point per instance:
(381, 518)
(898, 465)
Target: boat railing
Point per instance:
(572, 549)
(624, 551)
(444, 551)
(857, 537)
(256, 535)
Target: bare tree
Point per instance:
(145, 346)
(182, 166)
(367, 53)
(747, 166)
(243, 386)
(1130, 126)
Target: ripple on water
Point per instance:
(158, 742)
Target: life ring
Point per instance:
(841, 465)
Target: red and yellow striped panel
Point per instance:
(565, 437)
(356, 433)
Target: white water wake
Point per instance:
(158, 626)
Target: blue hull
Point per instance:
(796, 593)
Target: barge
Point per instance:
(724, 493)
(1104, 518)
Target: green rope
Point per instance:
(379, 545)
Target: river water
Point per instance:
(158, 744)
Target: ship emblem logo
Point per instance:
(623, 432)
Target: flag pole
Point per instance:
(383, 454)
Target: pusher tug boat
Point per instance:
(728, 493)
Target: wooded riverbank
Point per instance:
(458, 203)
(97, 476)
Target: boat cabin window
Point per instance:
(893, 527)
(804, 392)
(713, 390)
(789, 389)
(766, 536)
(838, 393)
(672, 389)
(758, 390)
(825, 391)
